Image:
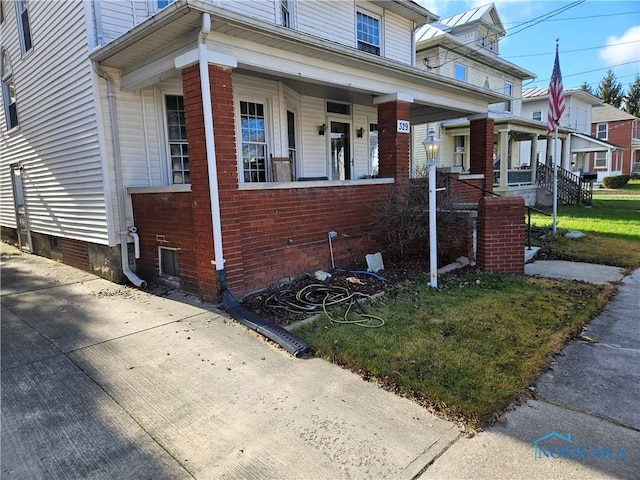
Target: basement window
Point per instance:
(168, 262)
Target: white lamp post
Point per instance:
(432, 148)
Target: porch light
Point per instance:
(322, 128)
(360, 132)
(432, 149)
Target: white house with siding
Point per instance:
(99, 114)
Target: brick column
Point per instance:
(393, 147)
(501, 234)
(221, 87)
(481, 151)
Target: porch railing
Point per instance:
(571, 188)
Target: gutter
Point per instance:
(123, 231)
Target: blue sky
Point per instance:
(594, 35)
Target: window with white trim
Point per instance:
(600, 160)
(254, 142)
(508, 90)
(602, 131)
(374, 160)
(368, 33)
(155, 5)
(537, 115)
(8, 92)
(24, 27)
(177, 137)
(287, 14)
(460, 72)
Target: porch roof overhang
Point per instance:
(587, 144)
(146, 54)
(520, 127)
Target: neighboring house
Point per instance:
(575, 132)
(466, 48)
(219, 141)
(612, 125)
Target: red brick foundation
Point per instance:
(501, 234)
(394, 146)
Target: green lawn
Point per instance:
(611, 227)
(465, 350)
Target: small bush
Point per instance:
(618, 181)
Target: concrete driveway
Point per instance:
(104, 381)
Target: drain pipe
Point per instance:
(218, 260)
(120, 196)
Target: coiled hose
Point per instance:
(316, 298)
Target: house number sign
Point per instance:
(403, 126)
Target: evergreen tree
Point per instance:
(585, 87)
(610, 90)
(632, 100)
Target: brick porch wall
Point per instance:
(501, 234)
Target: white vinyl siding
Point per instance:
(314, 162)
(57, 142)
(397, 38)
(333, 21)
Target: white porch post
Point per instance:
(533, 154)
(566, 153)
(504, 158)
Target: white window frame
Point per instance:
(600, 160)
(157, 5)
(22, 17)
(266, 111)
(460, 68)
(508, 90)
(377, 18)
(169, 143)
(605, 132)
(537, 113)
(7, 86)
(290, 7)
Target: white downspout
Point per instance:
(120, 194)
(218, 260)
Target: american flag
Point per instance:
(556, 97)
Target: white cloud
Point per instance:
(619, 50)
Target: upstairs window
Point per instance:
(177, 135)
(368, 33)
(8, 92)
(24, 29)
(460, 72)
(537, 115)
(286, 13)
(508, 90)
(155, 5)
(602, 131)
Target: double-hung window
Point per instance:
(537, 115)
(24, 27)
(508, 90)
(8, 92)
(600, 160)
(287, 13)
(254, 142)
(368, 33)
(602, 131)
(177, 136)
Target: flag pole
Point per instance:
(555, 180)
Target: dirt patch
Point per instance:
(262, 303)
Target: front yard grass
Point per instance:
(611, 227)
(468, 349)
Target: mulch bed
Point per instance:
(395, 273)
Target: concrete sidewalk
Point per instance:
(102, 381)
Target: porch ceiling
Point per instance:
(174, 29)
